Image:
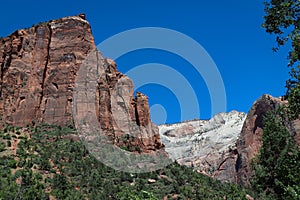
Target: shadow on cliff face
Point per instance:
(249, 142)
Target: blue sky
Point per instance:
(230, 31)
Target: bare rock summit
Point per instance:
(209, 146)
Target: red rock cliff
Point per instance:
(39, 66)
(249, 142)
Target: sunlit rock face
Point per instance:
(207, 145)
(39, 67)
(38, 70)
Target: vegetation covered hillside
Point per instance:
(48, 162)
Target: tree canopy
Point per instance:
(278, 163)
(283, 20)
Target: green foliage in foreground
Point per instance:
(47, 164)
(294, 102)
(278, 164)
(282, 19)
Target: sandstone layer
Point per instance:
(39, 67)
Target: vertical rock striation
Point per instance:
(39, 66)
(38, 69)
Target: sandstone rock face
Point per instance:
(122, 116)
(208, 146)
(249, 142)
(39, 67)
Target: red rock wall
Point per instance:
(249, 142)
(39, 66)
(38, 69)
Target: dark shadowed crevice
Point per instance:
(6, 61)
(238, 164)
(2, 74)
(46, 64)
(136, 113)
(55, 85)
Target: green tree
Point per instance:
(278, 164)
(294, 102)
(283, 19)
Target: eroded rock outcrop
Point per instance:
(249, 142)
(207, 145)
(39, 67)
(122, 116)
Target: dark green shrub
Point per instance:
(277, 167)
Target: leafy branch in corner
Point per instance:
(283, 19)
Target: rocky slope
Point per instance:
(209, 146)
(39, 66)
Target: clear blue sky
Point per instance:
(230, 31)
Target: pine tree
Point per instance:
(278, 163)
